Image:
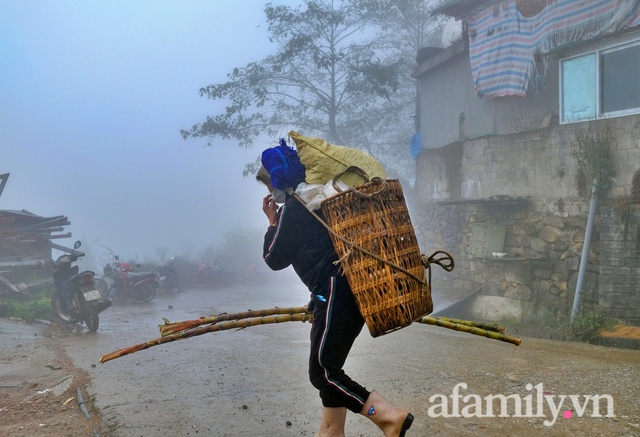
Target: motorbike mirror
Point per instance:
(77, 244)
(117, 258)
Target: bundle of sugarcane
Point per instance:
(483, 329)
(481, 325)
(171, 328)
(190, 328)
(202, 329)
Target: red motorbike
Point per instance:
(128, 283)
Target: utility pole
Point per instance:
(585, 252)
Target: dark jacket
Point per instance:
(301, 241)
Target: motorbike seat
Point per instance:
(140, 276)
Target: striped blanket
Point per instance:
(502, 42)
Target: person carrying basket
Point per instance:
(296, 238)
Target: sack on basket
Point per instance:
(379, 253)
(323, 161)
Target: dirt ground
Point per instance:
(622, 331)
(39, 384)
(248, 390)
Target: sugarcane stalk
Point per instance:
(229, 324)
(171, 328)
(470, 329)
(481, 325)
(191, 328)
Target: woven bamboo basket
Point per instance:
(374, 217)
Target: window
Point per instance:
(602, 83)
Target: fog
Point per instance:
(92, 99)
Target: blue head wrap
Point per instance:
(284, 166)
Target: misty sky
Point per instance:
(93, 95)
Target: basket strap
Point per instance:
(361, 249)
(445, 261)
(359, 193)
(355, 191)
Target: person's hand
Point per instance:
(270, 209)
(310, 306)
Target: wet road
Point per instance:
(254, 382)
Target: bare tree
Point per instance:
(161, 251)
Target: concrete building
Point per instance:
(515, 111)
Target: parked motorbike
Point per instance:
(76, 298)
(127, 283)
(105, 283)
(168, 278)
(207, 275)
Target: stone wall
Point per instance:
(525, 184)
(537, 277)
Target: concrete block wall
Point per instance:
(619, 289)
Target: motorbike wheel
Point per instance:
(90, 314)
(114, 292)
(64, 315)
(172, 287)
(102, 286)
(146, 293)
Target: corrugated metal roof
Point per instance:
(459, 8)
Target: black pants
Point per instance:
(336, 324)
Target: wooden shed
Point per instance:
(26, 243)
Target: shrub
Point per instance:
(29, 307)
(587, 326)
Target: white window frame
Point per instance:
(598, 51)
